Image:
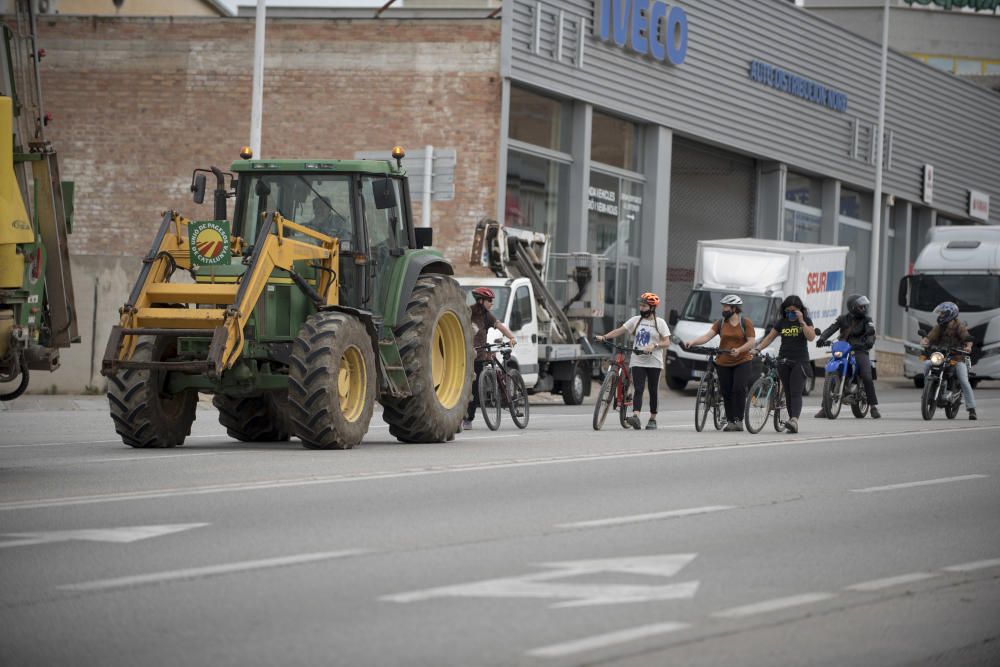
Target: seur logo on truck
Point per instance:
(824, 281)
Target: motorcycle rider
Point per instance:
(949, 332)
(856, 328)
(482, 321)
(736, 333)
(651, 335)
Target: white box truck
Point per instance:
(962, 265)
(762, 273)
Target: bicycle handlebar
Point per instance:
(710, 351)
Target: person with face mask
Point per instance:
(950, 332)
(856, 328)
(796, 330)
(735, 368)
(652, 335)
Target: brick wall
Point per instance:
(139, 102)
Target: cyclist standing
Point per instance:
(796, 330)
(735, 368)
(949, 332)
(651, 335)
(482, 321)
(856, 328)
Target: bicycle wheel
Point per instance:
(718, 409)
(605, 397)
(518, 395)
(489, 397)
(625, 403)
(778, 403)
(758, 407)
(702, 403)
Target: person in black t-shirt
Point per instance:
(796, 330)
(482, 321)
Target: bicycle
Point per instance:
(500, 386)
(616, 390)
(766, 396)
(709, 397)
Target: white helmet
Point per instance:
(731, 300)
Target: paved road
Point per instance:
(852, 543)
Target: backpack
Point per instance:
(743, 328)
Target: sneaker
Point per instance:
(738, 425)
(730, 426)
(821, 414)
(972, 414)
(792, 425)
(651, 425)
(875, 413)
(466, 424)
(634, 422)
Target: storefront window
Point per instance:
(859, 241)
(801, 189)
(856, 205)
(615, 142)
(533, 187)
(613, 224)
(538, 120)
(802, 224)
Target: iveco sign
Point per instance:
(647, 27)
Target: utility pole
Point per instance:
(876, 251)
(257, 105)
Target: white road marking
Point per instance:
(972, 567)
(123, 535)
(609, 639)
(213, 570)
(889, 582)
(774, 605)
(552, 585)
(638, 518)
(439, 470)
(926, 482)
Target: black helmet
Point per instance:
(860, 305)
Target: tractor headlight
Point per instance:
(838, 355)
(937, 358)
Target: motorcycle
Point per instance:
(843, 383)
(941, 386)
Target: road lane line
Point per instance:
(464, 467)
(972, 567)
(638, 518)
(926, 482)
(774, 605)
(889, 582)
(213, 570)
(609, 639)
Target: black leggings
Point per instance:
(470, 411)
(865, 371)
(733, 383)
(639, 376)
(793, 378)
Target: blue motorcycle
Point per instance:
(843, 383)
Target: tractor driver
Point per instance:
(327, 221)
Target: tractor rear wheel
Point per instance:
(254, 418)
(331, 381)
(144, 415)
(435, 344)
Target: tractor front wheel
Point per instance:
(331, 382)
(145, 415)
(435, 345)
(254, 418)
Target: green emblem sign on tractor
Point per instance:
(209, 242)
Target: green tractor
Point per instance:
(319, 299)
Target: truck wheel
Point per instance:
(144, 415)
(574, 390)
(676, 383)
(331, 382)
(253, 418)
(435, 345)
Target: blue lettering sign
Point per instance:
(647, 27)
(790, 83)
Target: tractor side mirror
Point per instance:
(674, 317)
(384, 193)
(198, 188)
(262, 189)
(424, 237)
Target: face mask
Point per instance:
(726, 314)
(791, 314)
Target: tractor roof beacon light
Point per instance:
(398, 154)
(246, 153)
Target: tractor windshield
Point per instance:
(318, 201)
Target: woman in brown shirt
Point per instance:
(735, 368)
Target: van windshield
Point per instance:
(971, 294)
(704, 306)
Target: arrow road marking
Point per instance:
(122, 535)
(549, 585)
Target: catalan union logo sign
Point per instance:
(209, 242)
